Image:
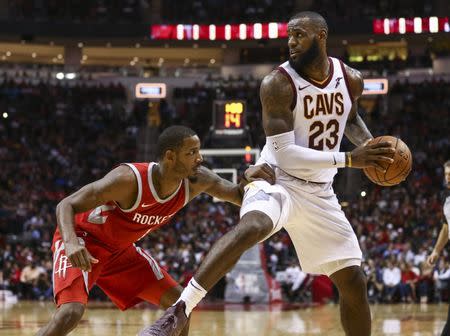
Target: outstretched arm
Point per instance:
(214, 185)
(356, 130)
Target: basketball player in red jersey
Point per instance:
(98, 225)
(308, 104)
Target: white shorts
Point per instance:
(322, 236)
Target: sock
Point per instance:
(192, 295)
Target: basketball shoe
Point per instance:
(171, 323)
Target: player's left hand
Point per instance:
(260, 172)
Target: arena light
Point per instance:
(227, 32)
(273, 30)
(243, 31)
(180, 32)
(60, 75)
(402, 25)
(195, 32)
(5, 115)
(434, 24)
(363, 193)
(257, 31)
(386, 26)
(212, 32)
(417, 25)
(70, 75)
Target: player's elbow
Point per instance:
(62, 205)
(59, 207)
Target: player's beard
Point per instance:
(307, 58)
(183, 170)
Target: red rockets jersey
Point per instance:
(117, 228)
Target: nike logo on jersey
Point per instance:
(302, 88)
(145, 205)
(338, 81)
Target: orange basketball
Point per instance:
(398, 170)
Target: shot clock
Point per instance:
(229, 117)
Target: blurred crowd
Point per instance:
(59, 137)
(88, 11)
(171, 11)
(269, 10)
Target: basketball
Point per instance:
(398, 170)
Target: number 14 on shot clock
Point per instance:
(229, 116)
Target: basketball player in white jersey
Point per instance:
(308, 104)
(444, 236)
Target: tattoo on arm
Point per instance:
(276, 99)
(356, 130)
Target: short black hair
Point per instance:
(318, 20)
(172, 138)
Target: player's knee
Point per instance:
(255, 226)
(70, 313)
(354, 285)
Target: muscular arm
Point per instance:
(118, 185)
(356, 130)
(278, 122)
(214, 185)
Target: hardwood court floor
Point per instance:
(25, 318)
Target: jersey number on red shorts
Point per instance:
(318, 128)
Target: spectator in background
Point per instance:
(375, 285)
(295, 278)
(391, 281)
(441, 276)
(425, 283)
(42, 287)
(28, 278)
(409, 281)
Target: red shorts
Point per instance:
(122, 275)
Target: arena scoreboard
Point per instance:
(229, 117)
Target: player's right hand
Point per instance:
(432, 258)
(372, 155)
(260, 172)
(79, 256)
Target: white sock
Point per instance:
(192, 295)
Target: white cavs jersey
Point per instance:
(320, 114)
